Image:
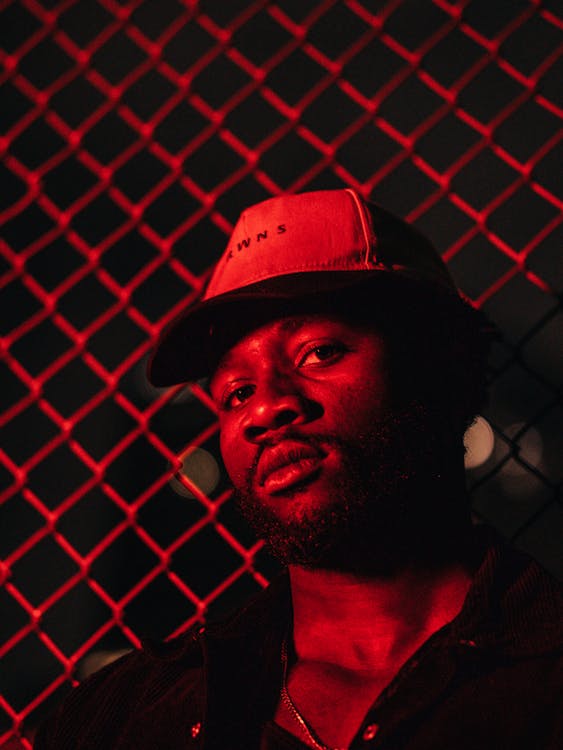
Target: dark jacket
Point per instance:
(492, 678)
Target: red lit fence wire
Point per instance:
(133, 133)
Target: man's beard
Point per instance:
(399, 500)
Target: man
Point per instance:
(345, 368)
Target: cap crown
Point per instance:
(327, 230)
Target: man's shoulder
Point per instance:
(102, 706)
(519, 601)
(161, 678)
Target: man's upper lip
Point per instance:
(283, 454)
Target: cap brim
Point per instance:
(185, 349)
(182, 352)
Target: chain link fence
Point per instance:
(133, 134)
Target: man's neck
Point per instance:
(370, 624)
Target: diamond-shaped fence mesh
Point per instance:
(133, 133)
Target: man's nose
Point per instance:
(273, 407)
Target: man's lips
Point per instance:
(287, 464)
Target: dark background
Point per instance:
(133, 133)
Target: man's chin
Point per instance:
(375, 536)
(298, 525)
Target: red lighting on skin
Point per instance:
(310, 375)
(287, 464)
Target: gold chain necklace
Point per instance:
(293, 710)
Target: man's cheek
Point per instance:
(232, 471)
(235, 464)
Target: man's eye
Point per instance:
(238, 396)
(321, 353)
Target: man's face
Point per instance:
(301, 401)
(324, 467)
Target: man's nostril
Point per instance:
(252, 433)
(287, 416)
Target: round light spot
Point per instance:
(479, 442)
(200, 468)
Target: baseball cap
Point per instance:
(290, 247)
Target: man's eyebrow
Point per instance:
(288, 325)
(224, 363)
(291, 325)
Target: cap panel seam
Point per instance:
(368, 236)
